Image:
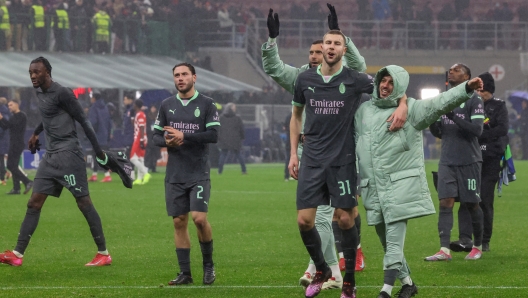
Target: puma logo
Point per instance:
(78, 189)
(172, 111)
(312, 88)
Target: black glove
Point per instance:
(142, 145)
(118, 163)
(332, 18)
(273, 24)
(450, 115)
(36, 147)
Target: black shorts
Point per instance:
(62, 169)
(318, 184)
(460, 182)
(182, 198)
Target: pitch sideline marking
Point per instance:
(240, 287)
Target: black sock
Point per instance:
(357, 223)
(477, 220)
(349, 244)
(390, 276)
(445, 224)
(207, 252)
(184, 260)
(96, 227)
(29, 225)
(312, 241)
(337, 236)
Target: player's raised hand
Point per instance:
(273, 24)
(476, 84)
(332, 18)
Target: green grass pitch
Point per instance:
(257, 248)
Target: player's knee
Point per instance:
(305, 224)
(447, 203)
(180, 222)
(200, 222)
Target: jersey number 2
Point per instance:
(199, 193)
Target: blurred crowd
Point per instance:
(117, 26)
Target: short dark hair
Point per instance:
(17, 101)
(189, 65)
(336, 32)
(138, 103)
(129, 95)
(466, 69)
(43, 61)
(319, 41)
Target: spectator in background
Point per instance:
(4, 140)
(522, 14)
(17, 128)
(523, 128)
(128, 125)
(79, 21)
(398, 27)
(365, 15)
(381, 10)
(15, 18)
(230, 137)
(102, 125)
(61, 22)
(102, 24)
(445, 16)
(39, 25)
(153, 152)
(225, 22)
(22, 27)
(503, 13)
(5, 27)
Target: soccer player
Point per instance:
(137, 153)
(394, 161)
(17, 127)
(63, 163)
(186, 124)
(330, 95)
(493, 142)
(459, 169)
(285, 76)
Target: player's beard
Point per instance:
(185, 89)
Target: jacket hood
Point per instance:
(401, 81)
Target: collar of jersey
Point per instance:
(53, 87)
(193, 97)
(335, 74)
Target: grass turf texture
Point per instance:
(257, 248)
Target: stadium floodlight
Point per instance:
(429, 92)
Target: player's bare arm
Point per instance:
(295, 131)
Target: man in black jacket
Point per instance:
(17, 128)
(230, 137)
(492, 142)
